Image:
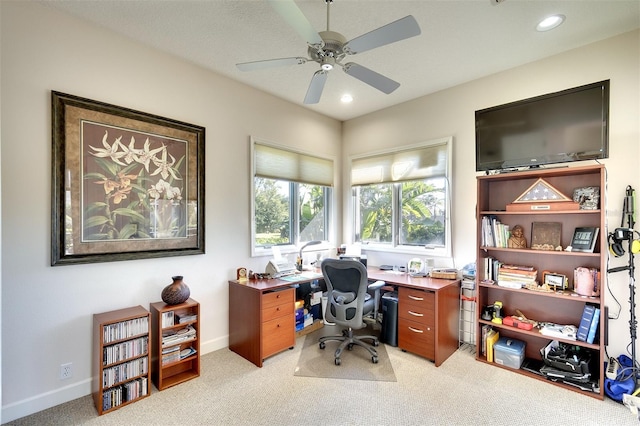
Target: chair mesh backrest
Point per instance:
(346, 278)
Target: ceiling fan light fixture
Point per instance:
(550, 22)
(327, 66)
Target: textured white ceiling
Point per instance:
(460, 41)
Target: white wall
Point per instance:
(451, 113)
(47, 312)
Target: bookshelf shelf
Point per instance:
(121, 349)
(495, 192)
(175, 329)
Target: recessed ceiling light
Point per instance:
(346, 98)
(550, 22)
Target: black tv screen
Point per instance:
(560, 127)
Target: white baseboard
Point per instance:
(45, 400)
(76, 390)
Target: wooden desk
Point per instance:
(262, 320)
(428, 313)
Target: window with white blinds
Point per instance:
(291, 198)
(401, 199)
(404, 165)
(278, 163)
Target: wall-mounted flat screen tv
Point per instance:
(571, 125)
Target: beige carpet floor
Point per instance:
(462, 391)
(356, 364)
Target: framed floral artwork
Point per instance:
(125, 184)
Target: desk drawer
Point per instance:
(416, 306)
(416, 338)
(277, 311)
(276, 298)
(423, 300)
(278, 335)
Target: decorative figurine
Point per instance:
(517, 239)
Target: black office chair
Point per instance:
(348, 302)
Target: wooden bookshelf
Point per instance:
(121, 358)
(495, 192)
(171, 363)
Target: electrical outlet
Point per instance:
(66, 371)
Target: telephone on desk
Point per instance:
(280, 268)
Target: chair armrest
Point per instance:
(376, 285)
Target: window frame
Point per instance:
(294, 207)
(394, 246)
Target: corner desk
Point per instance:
(262, 318)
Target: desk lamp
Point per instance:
(310, 243)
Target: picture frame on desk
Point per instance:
(125, 184)
(584, 239)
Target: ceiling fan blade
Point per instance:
(372, 78)
(315, 87)
(398, 30)
(290, 12)
(270, 63)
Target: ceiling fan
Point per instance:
(329, 48)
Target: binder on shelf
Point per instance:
(585, 322)
(492, 338)
(594, 326)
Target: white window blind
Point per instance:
(278, 163)
(410, 164)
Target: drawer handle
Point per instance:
(415, 314)
(415, 298)
(277, 296)
(415, 330)
(278, 308)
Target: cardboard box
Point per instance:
(508, 352)
(316, 298)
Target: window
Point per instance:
(401, 199)
(291, 198)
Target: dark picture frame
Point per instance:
(584, 239)
(125, 184)
(546, 235)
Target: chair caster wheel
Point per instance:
(338, 361)
(374, 359)
(322, 345)
(350, 347)
(376, 343)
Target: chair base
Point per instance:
(348, 340)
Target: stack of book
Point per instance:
(176, 337)
(516, 276)
(170, 354)
(494, 233)
(182, 318)
(588, 323)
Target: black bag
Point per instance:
(561, 375)
(565, 357)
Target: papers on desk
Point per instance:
(306, 275)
